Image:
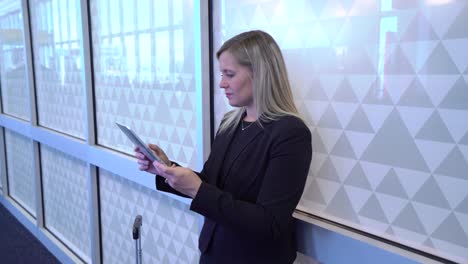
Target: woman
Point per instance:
(258, 165)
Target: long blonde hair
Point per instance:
(272, 93)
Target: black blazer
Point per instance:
(250, 219)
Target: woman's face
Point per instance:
(236, 80)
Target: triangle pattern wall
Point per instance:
(384, 91)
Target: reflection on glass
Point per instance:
(15, 94)
(144, 74)
(57, 61)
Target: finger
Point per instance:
(140, 156)
(154, 147)
(136, 149)
(143, 162)
(142, 167)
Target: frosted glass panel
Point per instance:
(58, 67)
(14, 86)
(66, 200)
(144, 74)
(21, 181)
(169, 233)
(383, 88)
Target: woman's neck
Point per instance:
(250, 114)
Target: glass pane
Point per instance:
(57, 61)
(167, 237)
(66, 200)
(383, 88)
(145, 79)
(14, 85)
(21, 181)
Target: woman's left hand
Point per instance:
(182, 179)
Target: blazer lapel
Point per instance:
(250, 137)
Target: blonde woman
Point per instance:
(258, 165)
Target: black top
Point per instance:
(249, 219)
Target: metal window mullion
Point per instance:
(3, 163)
(88, 85)
(27, 31)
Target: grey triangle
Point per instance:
(316, 91)
(394, 146)
(343, 148)
(466, 71)
(419, 30)
(464, 139)
(357, 178)
(435, 130)
(358, 61)
(377, 94)
(390, 231)
(344, 93)
(329, 119)
(359, 122)
(408, 219)
(164, 115)
(397, 63)
(451, 231)
(457, 97)
(317, 143)
(373, 210)
(328, 171)
(458, 27)
(314, 194)
(428, 243)
(454, 165)
(463, 206)
(439, 62)
(415, 95)
(431, 194)
(341, 207)
(391, 185)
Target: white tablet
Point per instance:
(138, 142)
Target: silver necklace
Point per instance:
(244, 128)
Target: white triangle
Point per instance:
(318, 38)
(414, 117)
(391, 205)
(357, 196)
(437, 86)
(439, 19)
(375, 172)
(454, 189)
(361, 84)
(330, 84)
(316, 109)
(362, 8)
(452, 119)
(317, 162)
(359, 141)
(343, 166)
(411, 180)
(329, 137)
(377, 114)
(431, 216)
(433, 152)
(344, 111)
(457, 53)
(292, 39)
(259, 19)
(396, 85)
(328, 189)
(418, 52)
(280, 16)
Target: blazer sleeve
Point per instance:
(283, 183)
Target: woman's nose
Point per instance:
(223, 84)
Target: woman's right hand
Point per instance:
(145, 164)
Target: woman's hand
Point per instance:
(181, 179)
(143, 161)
